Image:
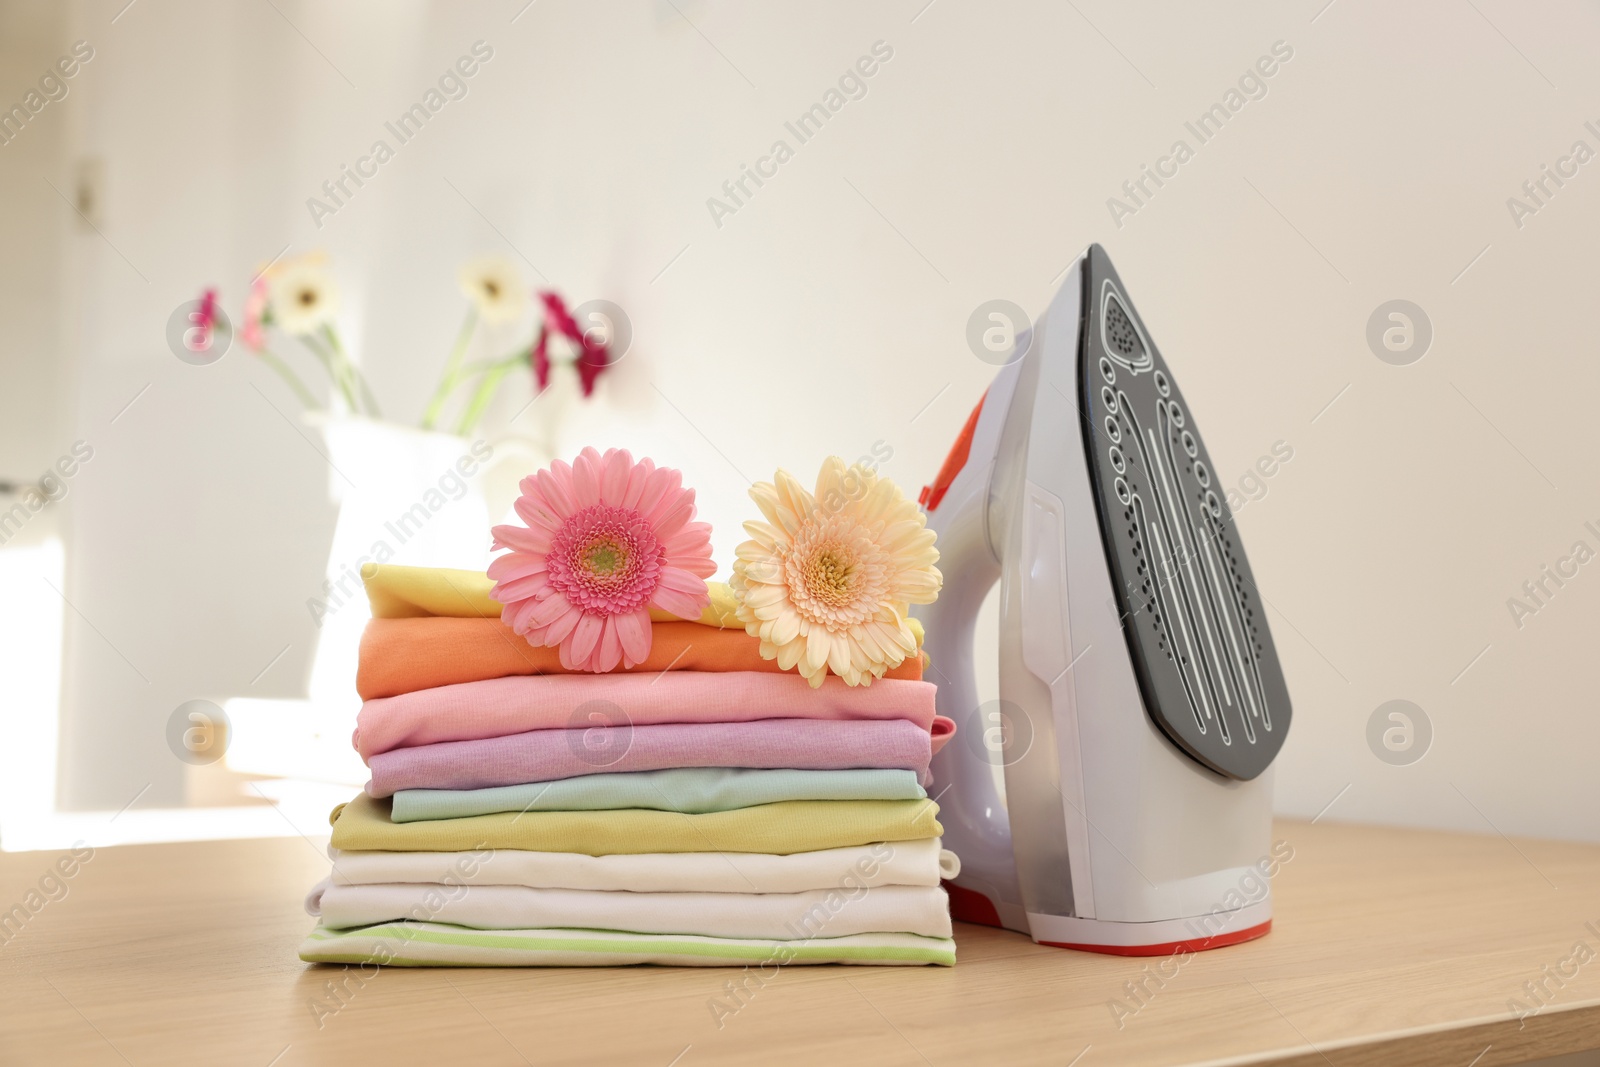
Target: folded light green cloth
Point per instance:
(784, 828)
(421, 944)
(692, 790)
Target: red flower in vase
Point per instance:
(593, 355)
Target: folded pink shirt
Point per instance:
(496, 707)
(547, 755)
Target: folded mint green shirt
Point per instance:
(692, 790)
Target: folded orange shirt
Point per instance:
(405, 655)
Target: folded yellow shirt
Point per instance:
(415, 592)
(779, 829)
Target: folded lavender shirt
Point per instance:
(498, 706)
(546, 755)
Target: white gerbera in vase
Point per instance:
(494, 285)
(300, 297)
(495, 294)
(303, 294)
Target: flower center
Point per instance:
(307, 297)
(830, 576)
(492, 289)
(835, 574)
(605, 560)
(606, 557)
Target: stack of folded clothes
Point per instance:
(703, 806)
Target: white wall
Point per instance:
(828, 313)
(35, 384)
(32, 402)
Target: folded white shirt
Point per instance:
(834, 912)
(918, 863)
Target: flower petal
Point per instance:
(608, 653)
(638, 478)
(868, 642)
(818, 644)
(516, 565)
(662, 485)
(530, 587)
(556, 485)
(585, 636)
(839, 655)
(519, 616)
(681, 593)
(616, 466)
(521, 538)
(762, 570)
(776, 511)
(785, 628)
(793, 496)
(789, 654)
(673, 515)
(633, 630)
(550, 609)
(557, 631)
(586, 479)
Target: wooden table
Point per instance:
(1390, 947)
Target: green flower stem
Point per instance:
(453, 371)
(490, 384)
(353, 371)
(289, 376)
(336, 373)
(366, 391)
(478, 366)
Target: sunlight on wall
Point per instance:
(30, 663)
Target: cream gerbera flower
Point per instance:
(303, 294)
(494, 286)
(827, 579)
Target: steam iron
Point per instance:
(1141, 698)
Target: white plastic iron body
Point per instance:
(1108, 835)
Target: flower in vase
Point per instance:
(592, 360)
(253, 331)
(205, 320)
(494, 286)
(557, 316)
(593, 355)
(827, 579)
(303, 294)
(606, 540)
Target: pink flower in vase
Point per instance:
(253, 332)
(606, 540)
(205, 322)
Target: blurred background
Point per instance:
(182, 509)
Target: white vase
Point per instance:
(405, 496)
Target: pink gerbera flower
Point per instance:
(606, 540)
(253, 332)
(207, 319)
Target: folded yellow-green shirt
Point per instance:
(417, 592)
(780, 829)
